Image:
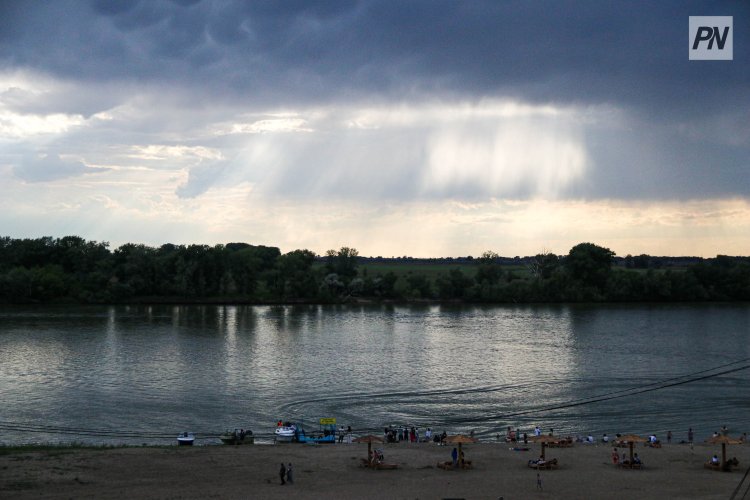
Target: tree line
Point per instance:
(72, 269)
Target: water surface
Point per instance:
(141, 374)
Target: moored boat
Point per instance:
(237, 437)
(285, 433)
(325, 434)
(185, 439)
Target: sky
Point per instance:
(423, 128)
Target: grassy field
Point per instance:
(429, 269)
(432, 270)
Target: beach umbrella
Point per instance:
(369, 439)
(460, 439)
(544, 440)
(630, 439)
(724, 440)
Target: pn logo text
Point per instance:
(711, 38)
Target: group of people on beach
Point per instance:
(457, 457)
(516, 436)
(240, 434)
(411, 435)
(345, 434)
(616, 460)
(285, 473)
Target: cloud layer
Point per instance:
(159, 108)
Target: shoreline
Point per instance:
(333, 471)
(226, 301)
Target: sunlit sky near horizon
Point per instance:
(422, 128)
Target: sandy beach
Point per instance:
(333, 471)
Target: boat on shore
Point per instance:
(285, 433)
(326, 433)
(185, 439)
(237, 437)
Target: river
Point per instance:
(141, 374)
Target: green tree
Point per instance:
(343, 262)
(454, 285)
(543, 265)
(296, 277)
(590, 264)
(489, 271)
(244, 266)
(419, 286)
(383, 286)
(134, 266)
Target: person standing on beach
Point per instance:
(454, 456)
(538, 481)
(282, 473)
(690, 435)
(669, 436)
(289, 477)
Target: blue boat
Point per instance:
(326, 433)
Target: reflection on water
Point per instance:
(155, 370)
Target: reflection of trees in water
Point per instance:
(456, 368)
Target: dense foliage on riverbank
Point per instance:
(73, 269)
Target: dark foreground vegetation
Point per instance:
(71, 269)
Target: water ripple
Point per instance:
(156, 370)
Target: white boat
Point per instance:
(285, 433)
(185, 439)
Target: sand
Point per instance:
(333, 471)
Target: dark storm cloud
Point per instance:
(687, 120)
(564, 51)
